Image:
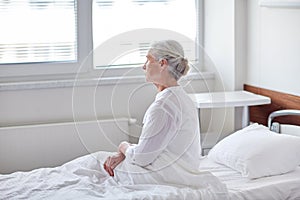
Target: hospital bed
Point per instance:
(81, 178)
(280, 186)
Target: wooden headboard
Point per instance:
(279, 101)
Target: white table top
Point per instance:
(228, 99)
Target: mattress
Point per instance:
(280, 187)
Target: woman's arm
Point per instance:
(158, 130)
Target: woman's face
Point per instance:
(152, 68)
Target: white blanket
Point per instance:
(85, 178)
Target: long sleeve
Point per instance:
(160, 126)
(169, 148)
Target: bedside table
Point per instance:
(242, 99)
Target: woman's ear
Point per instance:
(163, 62)
(163, 65)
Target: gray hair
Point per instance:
(173, 52)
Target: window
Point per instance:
(37, 31)
(123, 30)
(56, 37)
(41, 37)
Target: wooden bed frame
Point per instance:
(279, 101)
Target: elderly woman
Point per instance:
(169, 149)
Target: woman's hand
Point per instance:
(113, 161)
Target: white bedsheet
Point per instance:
(281, 187)
(85, 178)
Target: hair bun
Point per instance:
(184, 66)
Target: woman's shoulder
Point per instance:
(173, 95)
(168, 103)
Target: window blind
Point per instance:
(34, 31)
(114, 18)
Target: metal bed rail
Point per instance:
(275, 126)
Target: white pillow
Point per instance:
(255, 152)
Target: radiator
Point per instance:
(24, 148)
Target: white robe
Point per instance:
(169, 149)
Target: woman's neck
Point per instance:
(161, 87)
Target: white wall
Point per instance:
(273, 48)
(219, 39)
(225, 40)
(66, 104)
(225, 43)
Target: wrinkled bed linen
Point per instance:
(85, 178)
